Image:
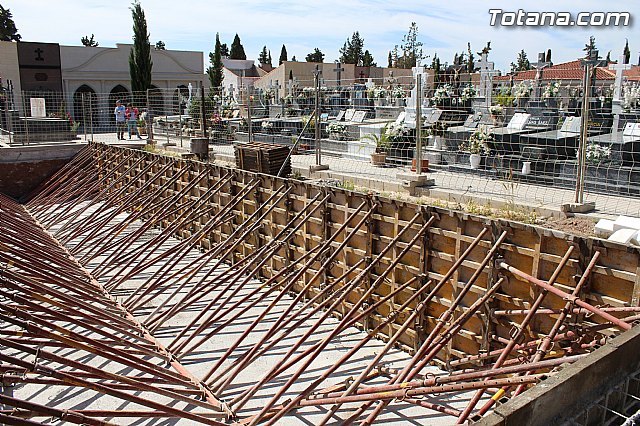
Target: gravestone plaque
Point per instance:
(348, 115)
(358, 117)
(571, 125)
(340, 115)
(38, 107)
(519, 121)
(39, 65)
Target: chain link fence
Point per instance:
(539, 140)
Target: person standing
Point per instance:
(120, 113)
(132, 120)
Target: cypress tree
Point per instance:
(283, 55)
(237, 50)
(626, 52)
(215, 70)
(140, 64)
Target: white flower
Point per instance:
(551, 90)
(335, 127)
(496, 110)
(630, 96)
(379, 92)
(398, 92)
(522, 89)
(477, 143)
(597, 153)
(443, 92)
(267, 125)
(469, 92)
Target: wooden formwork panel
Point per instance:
(532, 249)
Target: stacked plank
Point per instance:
(263, 158)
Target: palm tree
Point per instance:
(382, 141)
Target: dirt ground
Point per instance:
(571, 225)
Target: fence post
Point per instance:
(149, 118)
(316, 78)
(249, 124)
(203, 112)
(26, 121)
(418, 124)
(316, 116)
(84, 117)
(582, 142)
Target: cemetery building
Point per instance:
(50, 69)
(240, 73)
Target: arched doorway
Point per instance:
(85, 99)
(118, 93)
(156, 101)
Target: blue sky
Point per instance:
(445, 26)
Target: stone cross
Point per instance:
(486, 77)
(412, 101)
(338, 70)
(539, 66)
(231, 91)
(290, 87)
(619, 68)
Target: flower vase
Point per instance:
(474, 161)
(437, 142)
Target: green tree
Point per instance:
(237, 51)
(352, 52)
(548, 58)
(411, 49)
(263, 57)
(522, 63)
(140, 64)
(283, 55)
(89, 41)
(269, 61)
(390, 61)
(471, 65)
(315, 56)
(160, 45)
(293, 59)
(590, 47)
(215, 70)
(626, 52)
(367, 59)
(8, 30)
(608, 58)
(224, 50)
(435, 66)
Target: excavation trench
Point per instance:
(137, 285)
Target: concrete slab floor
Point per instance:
(200, 360)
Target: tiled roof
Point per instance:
(565, 71)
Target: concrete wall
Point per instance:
(23, 169)
(9, 69)
(534, 250)
(574, 389)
